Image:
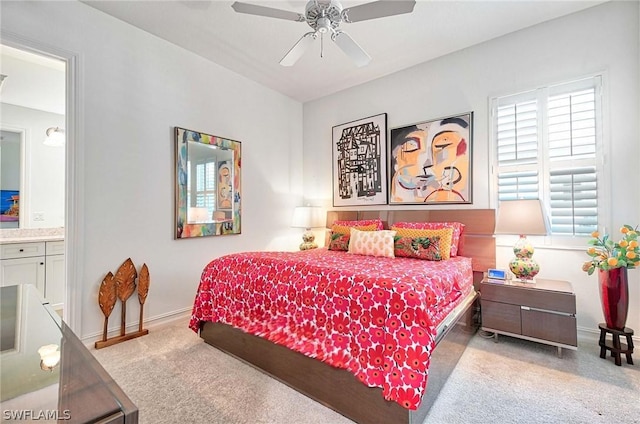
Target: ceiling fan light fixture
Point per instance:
(324, 25)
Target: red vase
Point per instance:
(614, 296)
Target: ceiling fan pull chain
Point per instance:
(321, 45)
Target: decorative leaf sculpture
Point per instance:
(121, 286)
(107, 296)
(126, 284)
(143, 284)
(143, 290)
(126, 280)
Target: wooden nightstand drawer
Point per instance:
(543, 311)
(531, 297)
(549, 326)
(501, 316)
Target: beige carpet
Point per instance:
(174, 377)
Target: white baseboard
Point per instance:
(148, 324)
(589, 334)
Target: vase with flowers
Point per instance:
(612, 260)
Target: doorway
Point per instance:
(48, 102)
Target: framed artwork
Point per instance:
(359, 162)
(430, 162)
(208, 195)
(9, 205)
(225, 185)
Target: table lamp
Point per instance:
(308, 217)
(522, 217)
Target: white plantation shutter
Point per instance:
(518, 185)
(203, 185)
(572, 125)
(517, 145)
(206, 185)
(546, 147)
(517, 132)
(573, 201)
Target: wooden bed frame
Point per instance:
(339, 389)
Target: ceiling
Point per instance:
(253, 45)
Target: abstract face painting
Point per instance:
(430, 162)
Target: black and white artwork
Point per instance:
(359, 162)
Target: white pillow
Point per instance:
(372, 243)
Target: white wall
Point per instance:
(44, 174)
(133, 89)
(600, 39)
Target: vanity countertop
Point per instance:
(31, 235)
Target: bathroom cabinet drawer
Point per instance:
(22, 250)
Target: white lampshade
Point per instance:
(525, 217)
(197, 215)
(308, 217)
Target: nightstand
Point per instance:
(544, 311)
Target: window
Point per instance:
(203, 185)
(546, 144)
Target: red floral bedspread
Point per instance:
(375, 317)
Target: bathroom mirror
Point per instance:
(207, 185)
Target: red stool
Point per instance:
(614, 345)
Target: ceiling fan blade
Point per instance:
(270, 12)
(377, 9)
(298, 49)
(351, 48)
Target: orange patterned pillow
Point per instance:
(372, 243)
(344, 229)
(340, 234)
(445, 235)
(361, 222)
(458, 228)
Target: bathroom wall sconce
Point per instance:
(49, 357)
(55, 137)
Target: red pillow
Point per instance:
(458, 227)
(361, 223)
(338, 241)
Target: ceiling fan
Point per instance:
(324, 17)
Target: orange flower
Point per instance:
(605, 254)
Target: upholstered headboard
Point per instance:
(477, 240)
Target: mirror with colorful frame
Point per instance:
(207, 185)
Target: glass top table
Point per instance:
(46, 373)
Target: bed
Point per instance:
(372, 338)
